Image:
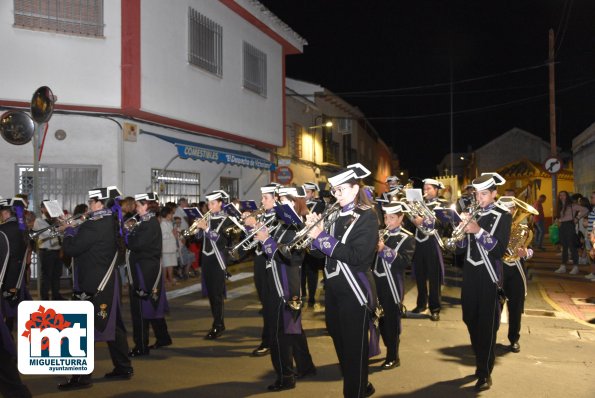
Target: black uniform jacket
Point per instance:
(145, 244)
(16, 251)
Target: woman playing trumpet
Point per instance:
(148, 303)
(350, 293)
(395, 252)
(283, 301)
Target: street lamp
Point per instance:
(327, 124)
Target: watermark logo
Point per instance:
(56, 337)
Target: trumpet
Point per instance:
(249, 243)
(419, 209)
(302, 240)
(458, 233)
(131, 223)
(192, 229)
(383, 234)
(54, 230)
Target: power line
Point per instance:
(479, 109)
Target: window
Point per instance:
(173, 185)
(345, 125)
(205, 41)
(255, 70)
(74, 17)
(69, 185)
(231, 186)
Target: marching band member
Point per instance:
(13, 254)
(350, 294)
(287, 337)
(148, 303)
(49, 254)
(428, 264)
(392, 182)
(395, 251)
(312, 264)
(94, 247)
(486, 243)
(214, 257)
(268, 201)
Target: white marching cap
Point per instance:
(353, 172)
(296, 192)
(436, 183)
(111, 192)
(270, 188)
(219, 194)
(311, 186)
(152, 196)
(395, 207)
(487, 181)
(392, 179)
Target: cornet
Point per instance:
(55, 229)
(131, 223)
(192, 229)
(249, 243)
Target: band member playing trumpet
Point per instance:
(265, 216)
(148, 303)
(212, 227)
(13, 252)
(283, 306)
(395, 251)
(94, 247)
(350, 293)
(486, 243)
(311, 264)
(428, 264)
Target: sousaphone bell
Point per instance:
(17, 128)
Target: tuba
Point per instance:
(520, 234)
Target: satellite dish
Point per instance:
(42, 104)
(16, 127)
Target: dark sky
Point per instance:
(372, 52)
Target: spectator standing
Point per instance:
(568, 215)
(49, 253)
(169, 258)
(182, 204)
(539, 223)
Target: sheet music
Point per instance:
(414, 195)
(53, 207)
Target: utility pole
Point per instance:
(552, 92)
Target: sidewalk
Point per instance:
(564, 292)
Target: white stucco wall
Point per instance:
(79, 70)
(172, 87)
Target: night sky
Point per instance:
(372, 52)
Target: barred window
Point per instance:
(172, 185)
(72, 17)
(205, 42)
(255, 70)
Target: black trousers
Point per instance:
(348, 324)
(481, 314)
(390, 323)
(515, 291)
(568, 240)
(285, 348)
(215, 281)
(10, 379)
(51, 271)
(140, 325)
(260, 281)
(427, 272)
(310, 269)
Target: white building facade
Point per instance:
(179, 97)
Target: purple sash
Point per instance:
(109, 333)
(152, 309)
(291, 325)
(374, 341)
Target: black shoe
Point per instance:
(75, 383)
(515, 347)
(215, 333)
(310, 372)
(159, 345)
(261, 351)
(386, 365)
(483, 383)
(435, 316)
(418, 310)
(287, 383)
(370, 390)
(119, 374)
(138, 352)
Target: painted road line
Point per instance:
(231, 294)
(197, 286)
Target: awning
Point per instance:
(196, 151)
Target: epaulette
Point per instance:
(501, 207)
(363, 207)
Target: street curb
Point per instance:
(555, 306)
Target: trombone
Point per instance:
(192, 229)
(55, 228)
